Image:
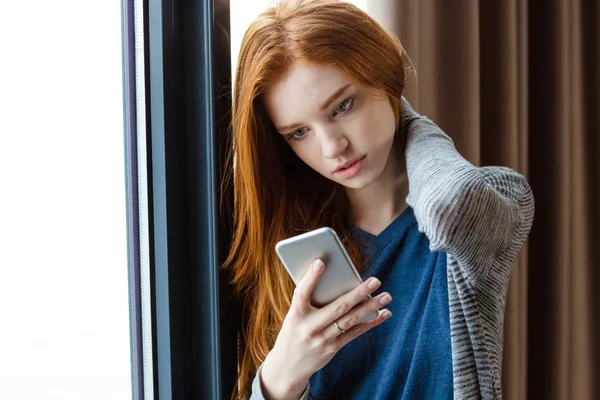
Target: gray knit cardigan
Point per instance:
(480, 217)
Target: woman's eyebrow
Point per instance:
(338, 93)
(334, 97)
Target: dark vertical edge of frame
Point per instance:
(229, 315)
(189, 103)
(202, 194)
(204, 156)
(131, 191)
(184, 225)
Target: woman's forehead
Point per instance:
(306, 82)
(304, 90)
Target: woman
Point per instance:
(323, 137)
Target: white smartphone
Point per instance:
(297, 254)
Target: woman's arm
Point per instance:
(473, 214)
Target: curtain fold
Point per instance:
(517, 83)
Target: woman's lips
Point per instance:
(352, 170)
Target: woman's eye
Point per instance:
(344, 107)
(297, 134)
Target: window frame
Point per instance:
(187, 99)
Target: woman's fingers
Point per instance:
(344, 338)
(356, 315)
(342, 305)
(305, 287)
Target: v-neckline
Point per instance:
(385, 236)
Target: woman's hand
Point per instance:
(309, 337)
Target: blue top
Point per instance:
(409, 356)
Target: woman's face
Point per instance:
(338, 128)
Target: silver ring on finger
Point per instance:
(338, 328)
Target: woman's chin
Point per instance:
(357, 183)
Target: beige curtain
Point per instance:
(517, 83)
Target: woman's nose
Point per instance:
(333, 143)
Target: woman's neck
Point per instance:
(377, 205)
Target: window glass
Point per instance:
(63, 258)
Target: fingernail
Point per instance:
(318, 265)
(385, 314)
(385, 299)
(374, 283)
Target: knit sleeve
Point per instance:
(257, 393)
(474, 214)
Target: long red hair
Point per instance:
(275, 194)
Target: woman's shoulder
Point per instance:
(472, 213)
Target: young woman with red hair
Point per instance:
(323, 137)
